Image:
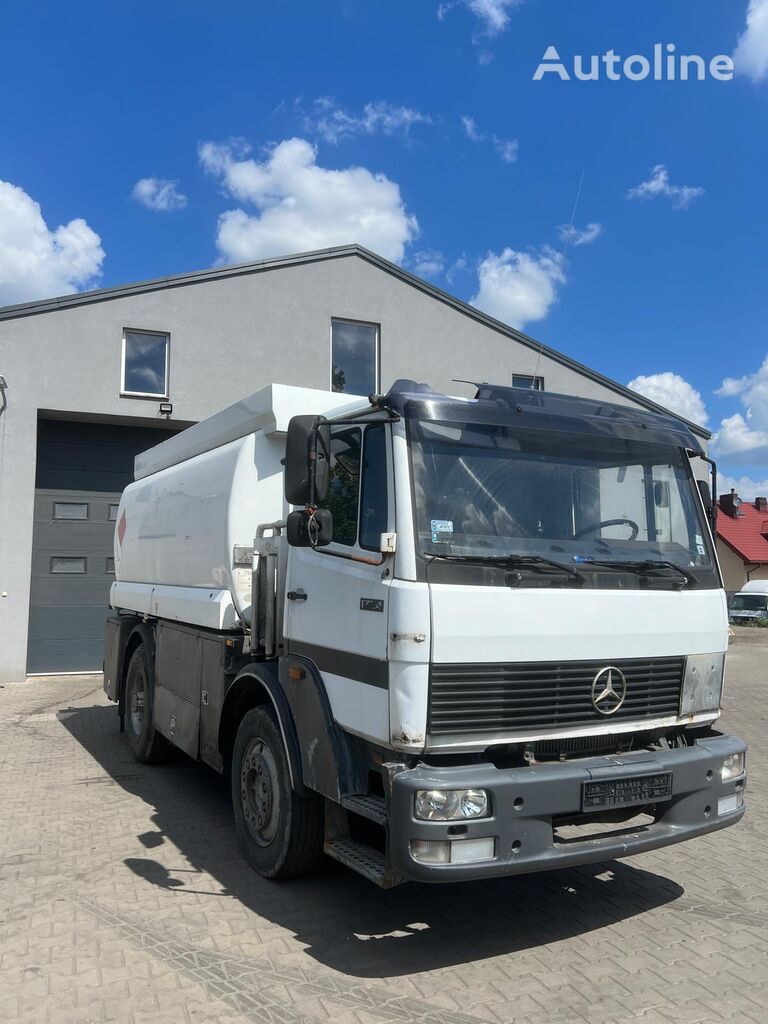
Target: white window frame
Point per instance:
(71, 519)
(377, 348)
(535, 377)
(146, 394)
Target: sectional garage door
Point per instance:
(82, 469)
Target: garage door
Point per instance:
(82, 469)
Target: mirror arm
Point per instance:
(712, 510)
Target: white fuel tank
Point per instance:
(180, 526)
(199, 495)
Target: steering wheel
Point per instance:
(609, 522)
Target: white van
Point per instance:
(750, 603)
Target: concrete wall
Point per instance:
(229, 337)
(735, 572)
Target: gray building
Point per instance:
(91, 379)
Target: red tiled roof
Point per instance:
(747, 535)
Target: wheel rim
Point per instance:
(137, 703)
(259, 791)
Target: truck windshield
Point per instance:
(750, 603)
(488, 491)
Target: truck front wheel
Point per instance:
(280, 832)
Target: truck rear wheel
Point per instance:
(280, 832)
(146, 744)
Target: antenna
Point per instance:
(563, 251)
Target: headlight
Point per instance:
(702, 684)
(450, 804)
(733, 766)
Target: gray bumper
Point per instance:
(525, 800)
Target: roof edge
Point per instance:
(526, 339)
(735, 550)
(336, 252)
(73, 299)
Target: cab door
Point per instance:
(337, 597)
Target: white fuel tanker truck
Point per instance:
(435, 638)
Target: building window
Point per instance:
(525, 380)
(70, 510)
(354, 357)
(109, 565)
(112, 514)
(67, 565)
(374, 497)
(343, 497)
(145, 364)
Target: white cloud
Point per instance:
(571, 235)
(428, 263)
(658, 186)
(739, 440)
(506, 148)
(674, 393)
(745, 436)
(752, 389)
(519, 287)
(159, 194)
(469, 124)
(751, 54)
(493, 15)
(457, 267)
(36, 262)
(302, 206)
(334, 124)
(745, 486)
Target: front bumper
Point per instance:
(524, 802)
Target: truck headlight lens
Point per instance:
(733, 767)
(702, 683)
(450, 804)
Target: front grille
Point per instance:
(545, 695)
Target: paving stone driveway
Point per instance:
(123, 898)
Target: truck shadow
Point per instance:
(344, 921)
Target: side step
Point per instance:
(363, 859)
(371, 807)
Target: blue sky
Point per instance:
(130, 125)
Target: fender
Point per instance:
(332, 761)
(266, 675)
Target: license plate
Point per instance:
(626, 792)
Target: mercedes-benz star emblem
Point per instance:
(609, 690)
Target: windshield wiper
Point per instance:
(647, 565)
(536, 563)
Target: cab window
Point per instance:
(343, 497)
(373, 502)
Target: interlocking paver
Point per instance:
(124, 899)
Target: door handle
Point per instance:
(297, 595)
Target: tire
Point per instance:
(280, 832)
(147, 745)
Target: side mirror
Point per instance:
(304, 530)
(709, 506)
(307, 460)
